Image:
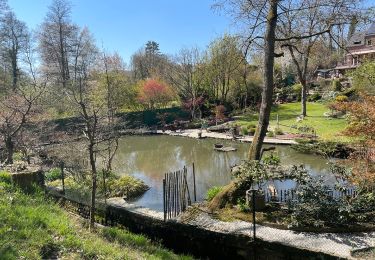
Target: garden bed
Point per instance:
(279, 218)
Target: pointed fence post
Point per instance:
(164, 201)
(195, 192)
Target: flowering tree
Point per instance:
(154, 93)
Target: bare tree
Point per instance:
(18, 107)
(79, 92)
(56, 42)
(96, 108)
(14, 37)
(187, 76)
(3, 7)
(112, 66)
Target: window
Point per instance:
(355, 61)
(369, 42)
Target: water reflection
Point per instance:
(149, 157)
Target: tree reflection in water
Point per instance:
(149, 157)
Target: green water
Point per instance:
(149, 157)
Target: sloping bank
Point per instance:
(201, 235)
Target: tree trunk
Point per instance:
(104, 172)
(14, 70)
(303, 98)
(93, 190)
(269, 58)
(9, 145)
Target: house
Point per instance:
(360, 48)
(323, 73)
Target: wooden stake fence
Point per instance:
(176, 193)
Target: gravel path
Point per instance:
(336, 244)
(193, 133)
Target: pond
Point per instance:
(150, 157)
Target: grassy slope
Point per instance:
(32, 227)
(326, 128)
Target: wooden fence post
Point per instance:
(176, 194)
(195, 192)
(164, 200)
(62, 176)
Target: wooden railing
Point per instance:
(288, 195)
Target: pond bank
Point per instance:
(341, 245)
(194, 133)
(190, 232)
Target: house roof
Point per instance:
(358, 38)
(371, 30)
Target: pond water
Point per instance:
(150, 157)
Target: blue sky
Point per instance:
(126, 25)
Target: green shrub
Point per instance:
(174, 104)
(211, 193)
(278, 131)
(127, 186)
(341, 98)
(317, 208)
(271, 159)
(350, 92)
(242, 206)
(297, 90)
(336, 85)
(270, 134)
(116, 186)
(324, 148)
(314, 97)
(249, 126)
(245, 131)
(5, 177)
(252, 131)
(17, 156)
(324, 83)
(53, 174)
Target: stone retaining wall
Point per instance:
(192, 239)
(200, 242)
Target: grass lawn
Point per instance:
(32, 227)
(326, 128)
